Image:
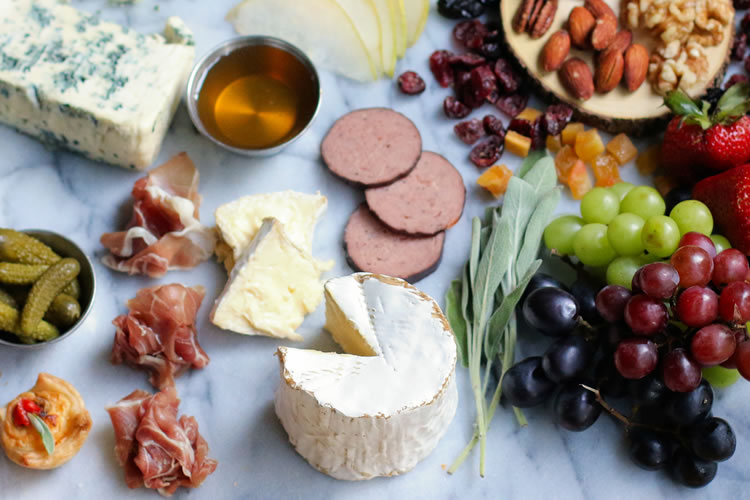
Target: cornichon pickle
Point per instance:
(12, 273)
(44, 291)
(7, 299)
(24, 249)
(10, 322)
(64, 311)
(73, 289)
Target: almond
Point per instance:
(621, 42)
(555, 50)
(609, 71)
(575, 76)
(599, 9)
(544, 19)
(636, 66)
(580, 24)
(604, 32)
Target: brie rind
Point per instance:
(271, 288)
(239, 221)
(382, 407)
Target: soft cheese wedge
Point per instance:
(382, 407)
(97, 88)
(271, 288)
(239, 221)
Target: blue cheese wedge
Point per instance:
(238, 222)
(90, 86)
(272, 287)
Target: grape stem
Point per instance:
(619, 416)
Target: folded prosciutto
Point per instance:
(164, 231)
(156, 449)
(159, 333)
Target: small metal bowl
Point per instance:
(86, 278)
(263, 55)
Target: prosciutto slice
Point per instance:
(158, 332)
(164, 231)
(156, 449)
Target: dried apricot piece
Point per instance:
(589, 145)
(529, 114)
(622, 148)
(648, 161)
(553, 143)
(606, 171)
(569, 133)
(579, 181)
(495, 179)
(564, 161)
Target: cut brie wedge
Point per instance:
(382, 407)
(271, 288)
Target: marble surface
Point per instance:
(232, 397)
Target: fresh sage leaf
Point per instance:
(476, 232)
(543, 176)
(456, 319)
(529, 162)
(493, 265)
(534, 230)
(499, 319)
(41, 427)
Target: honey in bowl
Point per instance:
(257, 97)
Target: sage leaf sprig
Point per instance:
(480, 306)
(41, 427)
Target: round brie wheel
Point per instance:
(383, 406)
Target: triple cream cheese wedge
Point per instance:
(239, 221)
(382, 407)
(271, 288)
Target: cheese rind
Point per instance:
(362, 416)
(94, 87)
(271, 288)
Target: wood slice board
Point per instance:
(636, 113)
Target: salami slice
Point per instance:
(373, 247)
(372, 147)
(428, 200)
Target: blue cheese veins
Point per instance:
(77, 82)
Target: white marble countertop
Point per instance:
(232, 397)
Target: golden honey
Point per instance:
(257, 97)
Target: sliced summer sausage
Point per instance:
(428, 200)
(372, 147)
(373, 247)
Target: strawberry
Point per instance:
(698, 137)
(726, 195)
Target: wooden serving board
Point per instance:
(635, 113)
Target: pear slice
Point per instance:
(325, 33)
(416, 18)
(364, 17)
(400, 29)
(386, 17)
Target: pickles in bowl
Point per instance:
(47, 287)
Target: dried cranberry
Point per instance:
(441, 68)
(466, 33)
(469, 131)
(556, 117)
(411, 83)
(491, 50)
(506, 76)
(739, 47)
(465, 60)
(483, 82)
(454, 108)
(512, 104)
(487, 152)
(521, 125)
(741, 4)
(492, 97)
(735, 78)
(494, 126)
(538, 134)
